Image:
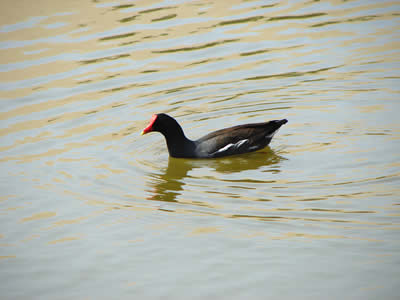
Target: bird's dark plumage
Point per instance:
(229, 141)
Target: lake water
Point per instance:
(89, 209)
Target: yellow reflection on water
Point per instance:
(205, 230)
(63, 240)
(291, 235)
(68, 222)
(7, 256)
(372, 108)
(39, 216)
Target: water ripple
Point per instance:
(77, 86)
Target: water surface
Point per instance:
(90, 209)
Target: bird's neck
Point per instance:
(178, 144)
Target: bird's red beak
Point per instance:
(149, 127)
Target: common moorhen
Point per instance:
(233, 140)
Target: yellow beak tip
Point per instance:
(142, 132)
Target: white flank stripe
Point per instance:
(225, 148)
(240, 143)
(237, 145)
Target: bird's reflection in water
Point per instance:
(170, 183)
